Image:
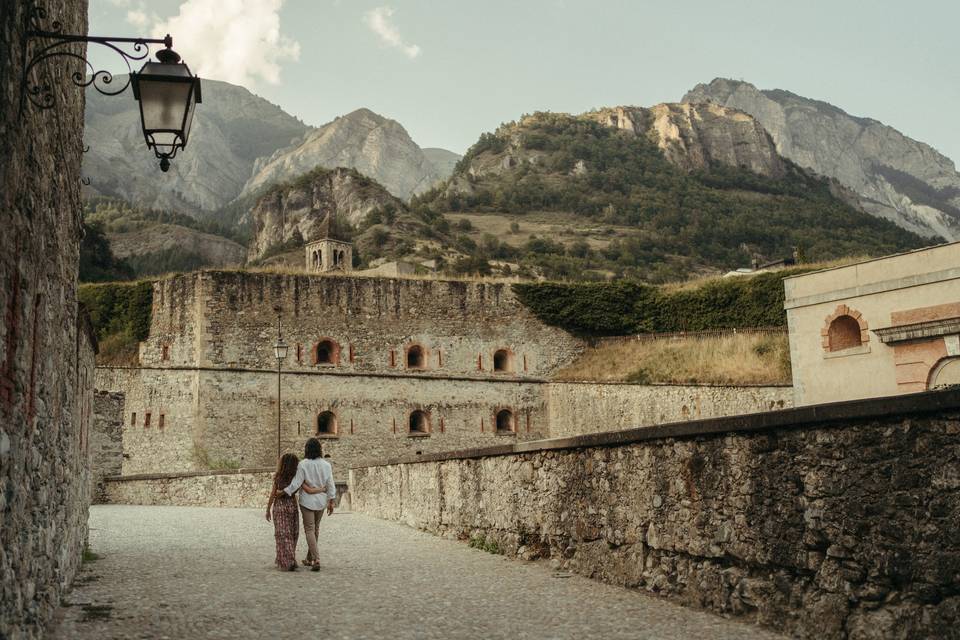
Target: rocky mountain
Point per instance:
(241, 144)
(695, 137)
(377, 147)
(445, 161)
(231, 129)
(290, 214)
(895, 177)
(659, 193)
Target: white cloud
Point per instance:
(238, 41)
(379, 22)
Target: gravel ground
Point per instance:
(186, 572)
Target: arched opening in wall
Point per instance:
(419, 422)
(315, 260)
(506, 423)
(945, 373)
(326, 352)
(502, 360)
(844, 333)
(340, 258)
(327, 424)
(415, 357)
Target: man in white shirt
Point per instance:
(316, 472)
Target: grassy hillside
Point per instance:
(628, 211)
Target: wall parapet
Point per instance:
(794, 418)
(834, 521)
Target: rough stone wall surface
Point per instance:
(226, 319)
(839, 529)
(214, 386)
(45, 360)
(576, 408)
(106, 441)
(170, 393)
(228, 418)
(244, 488)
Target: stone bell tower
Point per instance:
(328, 254)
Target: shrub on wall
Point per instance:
(622, 307)
(121, 314)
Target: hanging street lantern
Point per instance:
(167, 93)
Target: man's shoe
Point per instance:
(315, 567)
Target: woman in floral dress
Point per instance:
(286, 521)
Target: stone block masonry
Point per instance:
(830, 521)
(106, 441)
(366, 355)
(240, 488)
(46, 353)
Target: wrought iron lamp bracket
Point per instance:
(52, 43)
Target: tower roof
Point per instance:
(326, 230)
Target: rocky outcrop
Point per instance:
(211, 250)
(695, 136)
(444, 161)
(291, 214)
(375, 146)
(231, 129)
(895, 177)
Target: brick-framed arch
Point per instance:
(332, 348)
(327, 424)
(419, 422)
(503, 360)
(499, 415)
(835, 336)
(424, 355)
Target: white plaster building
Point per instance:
(881, 327)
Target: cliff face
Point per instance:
(375, 146)
(290, 214)
(894, 176)
(209, 249)
(694, 136)
(231, 129)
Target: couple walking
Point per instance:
(313, 478)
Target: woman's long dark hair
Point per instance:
(286, 469)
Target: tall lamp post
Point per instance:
(280, 351)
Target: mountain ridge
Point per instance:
(862, 153)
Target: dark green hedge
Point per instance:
(622, 307)
(119, 308)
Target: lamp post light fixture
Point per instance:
(166, 90)
(168, 94)
(280, 352)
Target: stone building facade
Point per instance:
(377, 368)
(46, 349)
(876, 328)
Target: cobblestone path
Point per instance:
(192, 573)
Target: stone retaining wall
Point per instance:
(106, 441)
(831, 521)
(241, 488)
(46, 350)
(577, 408)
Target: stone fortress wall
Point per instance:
(46, 348)
(834, 521)
(205, 393)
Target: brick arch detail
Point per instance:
(336, 422)
(840, 311)
(513, 415)
(334, 356)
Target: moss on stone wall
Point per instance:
(623, 307)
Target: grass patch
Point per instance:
(484, 544)
(88, 556)
(741, 358)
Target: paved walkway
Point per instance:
(182, 572)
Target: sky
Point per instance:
(448, 70)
